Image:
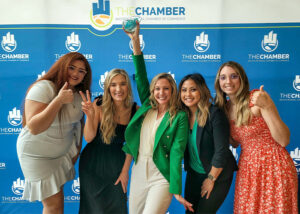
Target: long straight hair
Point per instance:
(242, 110)
(205, 98)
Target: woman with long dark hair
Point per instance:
(208, 160)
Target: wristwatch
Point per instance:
(211, 177)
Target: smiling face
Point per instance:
(162, 92)
(190, 94)
(118, 88)
(229, 81)
(76, 73)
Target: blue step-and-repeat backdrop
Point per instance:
(179, 37)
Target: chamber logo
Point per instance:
(101, 15)
(201, 44)
(73, 43)
(102, 79)
(270, 42)
(76, 186)
(296, 83)
(142, 43)
(14, 117)
(18, 186)
(2, 165)
(292, 96)
(296, 158)
(9, 44)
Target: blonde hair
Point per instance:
(108, 124)
(242, 110)
(205, 98)
(172, 107)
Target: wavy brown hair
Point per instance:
(242, 110)
(172, 106)
(58, 75)
(205, 98)
(108, 124)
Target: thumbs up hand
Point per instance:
(65, 95)
(261, 98)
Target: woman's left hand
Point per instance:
(207, 187)
(123, 178)
(187, 205)
(261, 98)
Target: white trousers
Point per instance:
(149, 190)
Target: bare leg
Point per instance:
(54, 204)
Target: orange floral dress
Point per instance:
(266, 181)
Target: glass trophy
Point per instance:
(129, 24)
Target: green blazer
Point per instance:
(170, 138)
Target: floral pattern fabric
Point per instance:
(267, 180)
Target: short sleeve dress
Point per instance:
(267, 180)
(46, 158)
(100, 165)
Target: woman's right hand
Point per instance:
(65, 95)
(87, 105)
(187, 205)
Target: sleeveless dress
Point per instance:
(267, 180)
(46, 158)
(99, 167)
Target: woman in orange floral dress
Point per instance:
(267, 180)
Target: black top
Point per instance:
(213, 144)
(99, 167)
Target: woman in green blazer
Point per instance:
(156, 137)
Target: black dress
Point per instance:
(100, 165)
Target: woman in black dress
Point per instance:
(103, 166)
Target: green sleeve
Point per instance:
(126, 149)
(141, 77)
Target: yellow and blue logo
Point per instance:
(101, 15)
